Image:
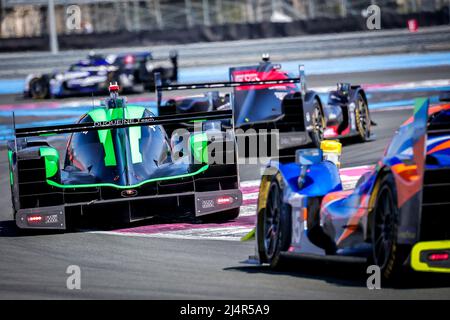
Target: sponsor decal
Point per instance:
(51, 218)
(206, 204)
(119, 122)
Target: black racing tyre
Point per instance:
(318, 123)
(222, 216)
(273, 227)
(386, 252)
(39, 88)
(362, 118)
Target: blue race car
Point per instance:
(397, 215)
(134, 72)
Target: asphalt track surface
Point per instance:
(119, 267)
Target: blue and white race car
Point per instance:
(397, 214)
(134, 72)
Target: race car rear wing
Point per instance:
(159, 87)
(122, 123)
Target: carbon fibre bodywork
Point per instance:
(262, 101)
(326, 220)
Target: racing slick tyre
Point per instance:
(318, 123)
(39, 88)
(386, 252)
(222, 216)
(362, 119)
(273, 231)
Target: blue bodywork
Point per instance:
(324, 218)
(93, 74)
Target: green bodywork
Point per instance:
(95, 185)
(199, 147)
(105, 136)
(11, 175)
(51, 157)
(198, 144)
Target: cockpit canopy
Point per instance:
(256, 103)
(123, 156)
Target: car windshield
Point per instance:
(259, 103)
(124, 156)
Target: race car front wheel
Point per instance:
(318, 124)
(39, 88)
(362, 119)
(386, 252)
(273, 227)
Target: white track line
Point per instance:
(226, 233)
(229, 233)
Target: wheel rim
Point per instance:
(362, 118)
(383, 228)
(38, 89)
(318, 123)
(272, 221)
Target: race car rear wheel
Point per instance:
(318, 123)
(386, 252)
(362, 119)
(39, 88)
(273, 227)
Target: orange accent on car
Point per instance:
(407, 172)
(442, 146)
(431, 110)
(305, 214)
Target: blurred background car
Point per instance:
(133, 71)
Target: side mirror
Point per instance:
(306, 157)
